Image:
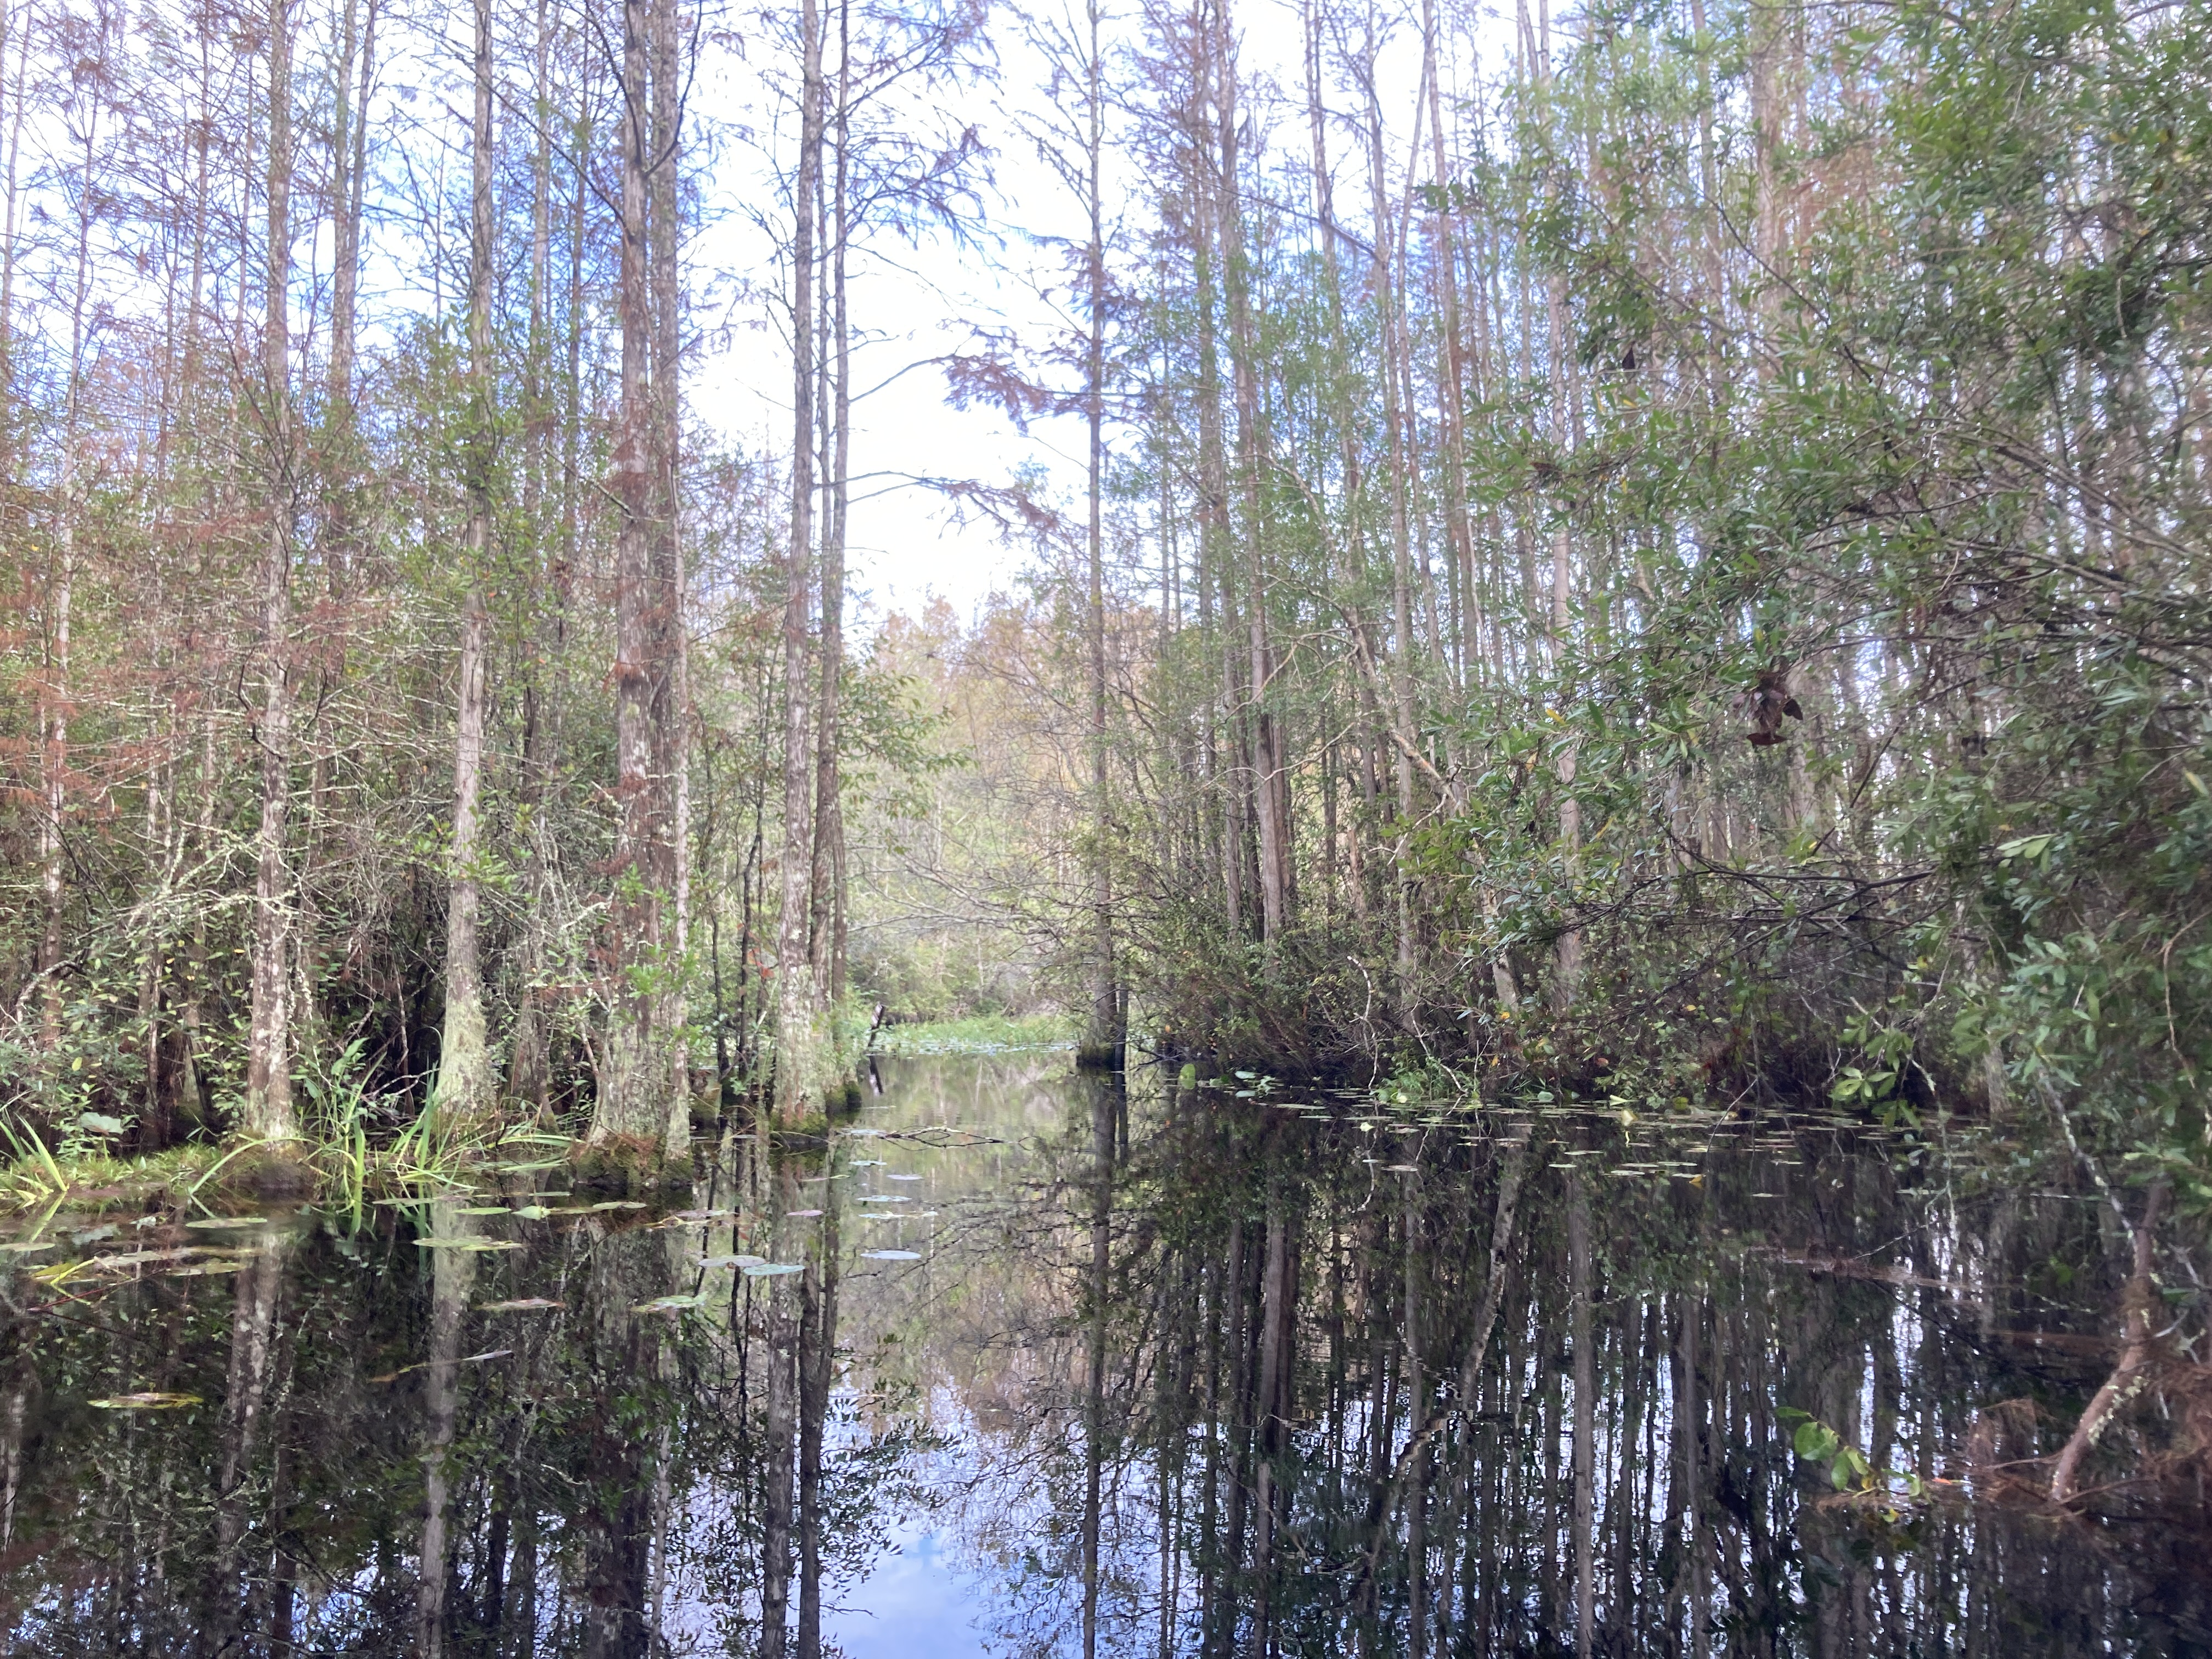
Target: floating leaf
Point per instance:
(473, 1246)
(100, 1124)
(484, 1209)
(520, 1304)
(532, 1211)
(618, 1204)
(151, 1400)
(424, 1364)
(773, 1269)
(701, 1215)
(1403, 1168)
(217, 1223)
(802, 1215)
(732, 1260)
(903, 1177)
(22, 1246)
(667, 1304)
(892, 1255)
(131, 1259)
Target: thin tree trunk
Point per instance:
(1269, 781)
(798, 1036)
(269, 1115)
(826, 952)
(1104, 1039)
(464, 1088)
(668, 629)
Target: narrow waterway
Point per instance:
(1022, 1363)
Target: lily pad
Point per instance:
(892, 1255)
(745, 1262)
(150, 1401)
(773, 1269)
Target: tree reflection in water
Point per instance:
(1060, 1368)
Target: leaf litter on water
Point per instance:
(473, 1246)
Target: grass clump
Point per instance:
(979, 1034)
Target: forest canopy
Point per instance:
(1655, 553)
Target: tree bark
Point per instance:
(269, 1115)
(1105, 1037)
(463, 1088)
(797, 1036)
(633, 1094)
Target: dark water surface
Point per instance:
(1192, 1370)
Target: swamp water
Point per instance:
(1216, 1403)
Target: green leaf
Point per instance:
(1815, 1442)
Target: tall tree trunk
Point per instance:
(528, 1078)
(1402, 568)
(826, 952)
(269, 1115)
(797, 1035)
(1270, 782)
(1214, 547)
(632, 1100)
(464, 1088)
(672, 688)
(1103, 1041)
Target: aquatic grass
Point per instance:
(39, 1177)
(980, 1034)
